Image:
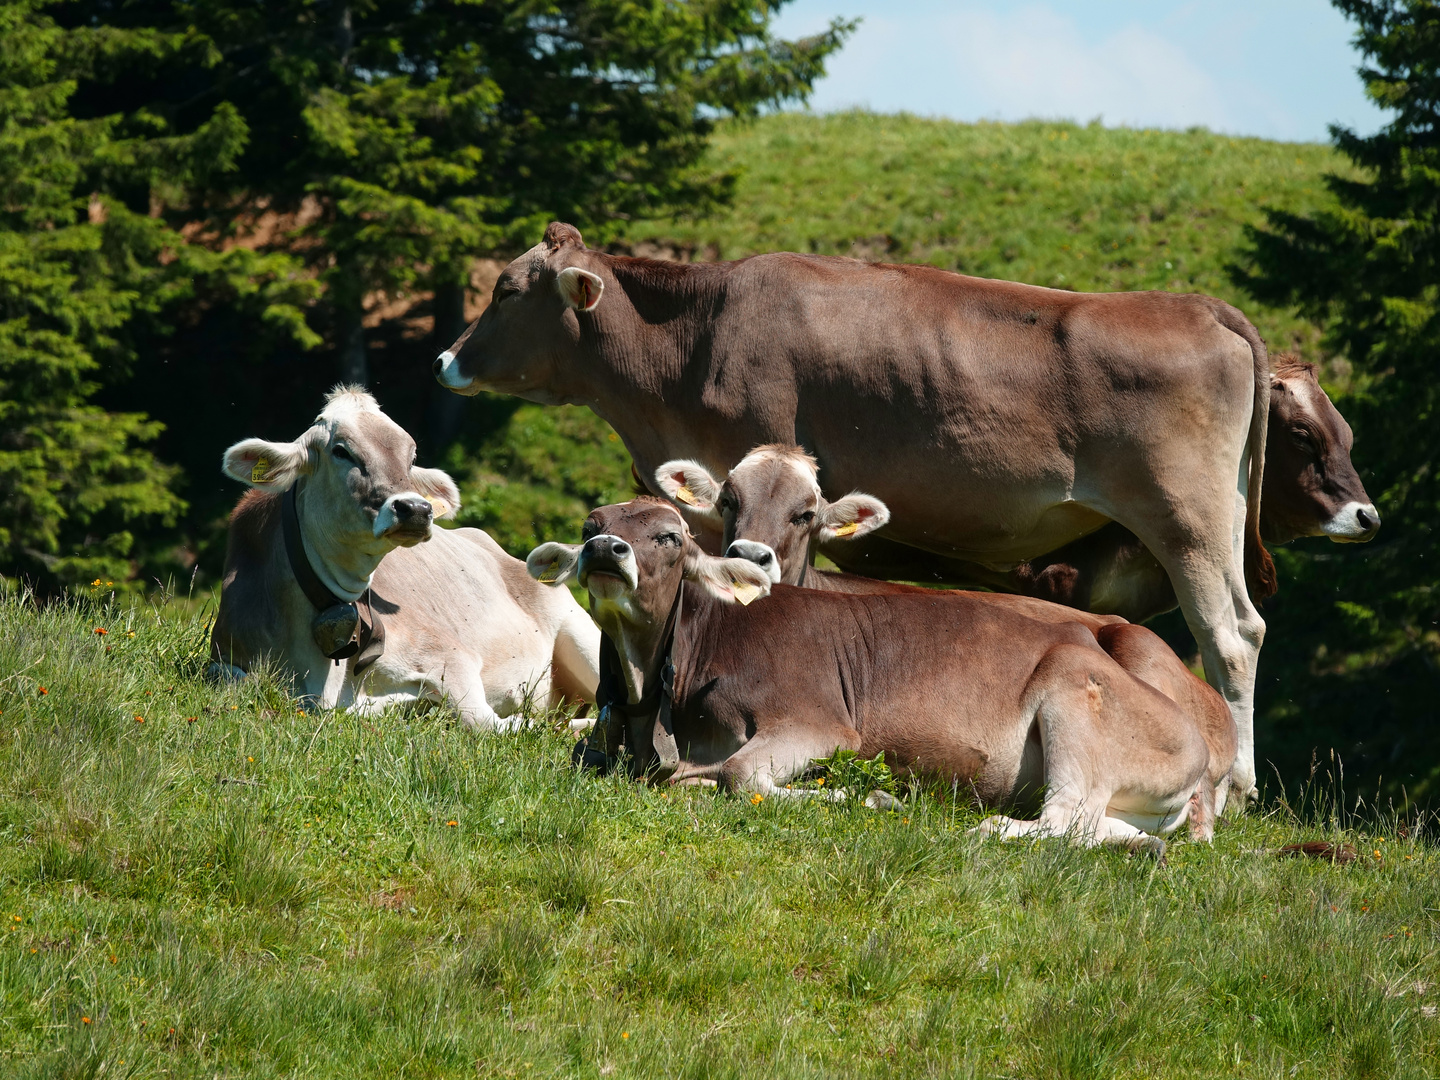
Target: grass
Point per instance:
(234, 888)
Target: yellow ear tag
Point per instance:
(261, 470)
(846, 529)
(440, 506)
(685, 495)
(551, 572)
(745, 592)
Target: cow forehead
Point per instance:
(376, 437)
(1307, 398)
(775, 467)
(636, 517)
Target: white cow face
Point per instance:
(358, 475)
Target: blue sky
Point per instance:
(1282, 69)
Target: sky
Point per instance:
(1280, 69)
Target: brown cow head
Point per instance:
(772, 509)
(360, 495)
(534, 316)
(632, 561)
(1311, 487)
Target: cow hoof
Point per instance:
(1152, 846)
(585, 756)
(219, 672)
(882, 800)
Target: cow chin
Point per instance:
(606, 585)
(404, 536)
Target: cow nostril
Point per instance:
(1367, 520)
(764, 559)
(620, 548)
(409, 509)
(437, 367)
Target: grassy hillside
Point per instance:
(203, 881)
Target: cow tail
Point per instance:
(1259, 567)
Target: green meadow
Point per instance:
(202, 881)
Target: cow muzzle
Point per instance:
(447, 374)
(405, 519)
(607, 566)
(762, 555)
(1355, 523)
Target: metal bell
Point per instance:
(334, 628)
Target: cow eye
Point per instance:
(342, 453)
(665, 539)
(803, 519)
(1302, 439)
(591, 529)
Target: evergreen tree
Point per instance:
(1350, 660)
(77, 267)
(411, 137)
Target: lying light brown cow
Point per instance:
(998, 421)
(773, 513)
(749, 696)
(458, 618)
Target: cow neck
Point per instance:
(343, 567)
(635, 683)
(356, 617)
(648, 728)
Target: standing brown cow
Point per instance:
(998, 421)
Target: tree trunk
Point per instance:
(354, 366)
(447, 410)
(348, 297)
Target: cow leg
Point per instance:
(574, 675)
(1106, 737)
(765, 764)
(1109, 831)
(1208, 573)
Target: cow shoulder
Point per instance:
(247, 626)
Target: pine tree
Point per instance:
(1351, 656)
(412, 137)
(77, 267)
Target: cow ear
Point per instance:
(580, 289)
(439, 489)
(852, 517)
(268, 466)
(551, 564)
(689, 484)
(732, 580)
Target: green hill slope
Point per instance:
(1053, 204)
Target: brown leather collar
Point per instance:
(367, 641)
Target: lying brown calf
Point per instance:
(773, 513)
(749, 696)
